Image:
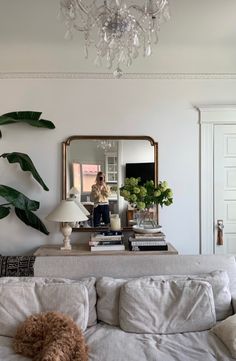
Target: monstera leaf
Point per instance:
(28, 117)
(26, 164)
(30, 219)
(23, 208)
(31, 118)
(18, 199)
(4, 211)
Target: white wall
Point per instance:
(162, 109)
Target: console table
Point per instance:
(83, 250)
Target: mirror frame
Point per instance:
(67, 142)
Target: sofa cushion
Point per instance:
(172, 306)
(108, 291)
(226, 331)
(219, 281)
(23, 298)
(89, 282)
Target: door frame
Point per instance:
(209, 117)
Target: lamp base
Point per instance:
(66, 231)
(66, 248)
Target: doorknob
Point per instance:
(220, 235)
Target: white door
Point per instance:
(225, 188)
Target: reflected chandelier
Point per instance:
(106, 145)
(119, 29)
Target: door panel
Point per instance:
(225, 186)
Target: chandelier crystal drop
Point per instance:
(120, 30)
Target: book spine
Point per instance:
(107, 233)
(107, 238)
(148, 248)
(148, 239)
(108, 248)
(148, 243)
(140, 236)
(151, 238)
(104, 243)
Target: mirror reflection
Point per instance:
(95, 169)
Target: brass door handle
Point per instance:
(220, 234)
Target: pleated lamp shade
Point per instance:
(67, 211)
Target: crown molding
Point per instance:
(217, 114)
(152, 76)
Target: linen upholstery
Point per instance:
(108, 290)
(219, 280)
(109, 343)
(133, 265)
(226, 331)
(172, 306)
(21, 299)
(89, 282)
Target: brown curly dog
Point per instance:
(50, 336)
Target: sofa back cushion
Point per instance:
(126, 265)
(89, 282)
(172, 306)
(108, 292)
(22, 299)
(219, 280)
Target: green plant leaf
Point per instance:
(29, 117)
(18, 199)
(26, 164)
(30, 219)
(4, 211)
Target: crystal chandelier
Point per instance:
(120, 30)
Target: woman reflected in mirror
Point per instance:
(99, 195)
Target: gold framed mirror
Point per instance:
(116, 158)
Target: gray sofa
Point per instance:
(106, 338)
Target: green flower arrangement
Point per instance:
(146, 195)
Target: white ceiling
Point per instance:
(200, 37)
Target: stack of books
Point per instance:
(148, 242)
(107, 241)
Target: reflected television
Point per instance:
(145, 171)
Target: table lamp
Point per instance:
(67, 211)
(74, 193)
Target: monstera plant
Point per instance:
(23, 206)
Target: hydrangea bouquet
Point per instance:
(145, 196)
